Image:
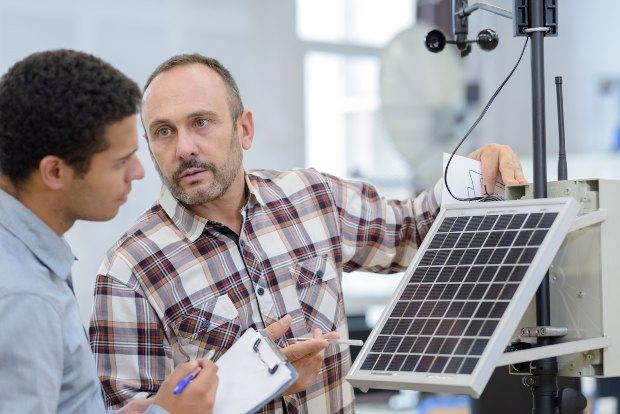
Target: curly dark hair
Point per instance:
(59, 103)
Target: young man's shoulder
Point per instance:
(21, 271)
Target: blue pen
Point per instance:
(186, 380)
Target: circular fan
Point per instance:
(422, 99)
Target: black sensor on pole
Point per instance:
(562, 168)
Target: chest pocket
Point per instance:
(213, 324)
(319, 293)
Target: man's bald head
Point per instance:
(234, 97)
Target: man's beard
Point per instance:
(222, 177)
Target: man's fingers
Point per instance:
(331, 335)
(207, 377)
(206, 363)
(277, 329)
(302, 349)
(508, 174)
(136, 407)
(508, 166)
(494, 159)
(183, 370)
(519, 176)
(489, 165)
(319, 335)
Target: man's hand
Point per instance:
(498, 158)
(198, 397)
(136, 406)
(306, 357)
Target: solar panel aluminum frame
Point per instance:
(474, 383)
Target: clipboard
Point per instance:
(251, 374)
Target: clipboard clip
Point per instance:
(256, 349)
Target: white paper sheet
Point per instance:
(245, 382)
(465, 180)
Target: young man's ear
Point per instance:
(54, 173)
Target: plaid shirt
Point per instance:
(177, 285)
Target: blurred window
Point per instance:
(344, 134)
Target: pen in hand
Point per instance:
(350, 342)
(187, 379)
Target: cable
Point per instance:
(488, 197)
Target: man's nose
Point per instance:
(186, 145)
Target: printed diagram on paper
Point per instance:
(465, 179)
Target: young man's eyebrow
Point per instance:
(126, 157)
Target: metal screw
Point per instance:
(581, 294)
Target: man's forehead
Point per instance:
(185, 78)
(192, 84)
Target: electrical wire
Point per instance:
(487, 197)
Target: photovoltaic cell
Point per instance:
(458, 293)
(449, 319)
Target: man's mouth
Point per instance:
(192, 171)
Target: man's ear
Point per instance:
(245, 127)
(55, 173)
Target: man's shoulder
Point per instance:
(288, 182)
(149, 235)
(20, 270)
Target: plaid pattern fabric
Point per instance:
(177, 285)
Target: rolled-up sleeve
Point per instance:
(31, 349)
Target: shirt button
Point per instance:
(260, 291)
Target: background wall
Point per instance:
(254, 39)
(258, 41)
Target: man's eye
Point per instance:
(164, 132)
(201, 123)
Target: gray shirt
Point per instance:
(46, 365)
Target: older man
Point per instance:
(225, 249)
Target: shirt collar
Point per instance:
(190, 224)
(51, 249)
(253, 189)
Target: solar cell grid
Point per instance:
(458, 293)
(478, 239)
(474, 223)
(502, 222)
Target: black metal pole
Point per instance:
(544, 389)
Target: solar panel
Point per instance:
(463, 296)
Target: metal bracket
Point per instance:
(521, 18)
(589, 219)
(464, 12)
(558, 349)
(544, 331)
